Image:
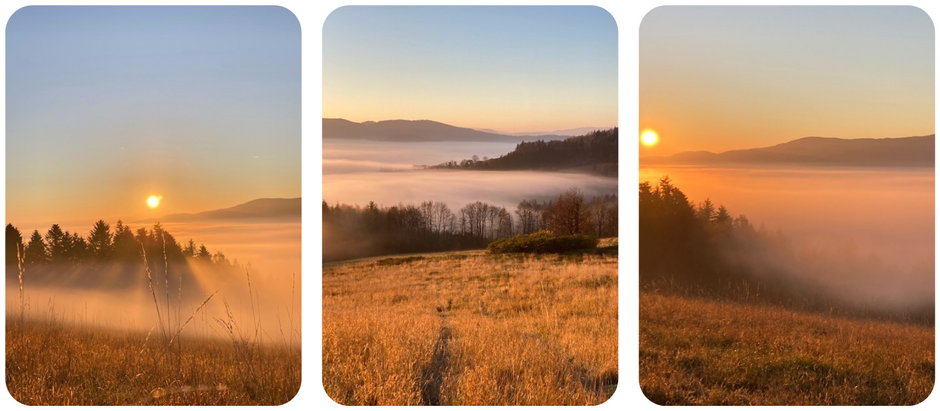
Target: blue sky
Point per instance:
(506, 68)
(106, 105)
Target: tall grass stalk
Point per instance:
(193, 315)
(153, 292)
(20, 259)
(166, 282)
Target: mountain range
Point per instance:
(417, 131)
(915, 151)
(259, 209)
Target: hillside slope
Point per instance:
(469, 328)
(705, 352)
(594, 153)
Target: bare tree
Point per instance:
(567, 214)
(528, 212)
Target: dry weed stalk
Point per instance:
(20, 259)
(153, 292)
(193, 315)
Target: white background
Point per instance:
(311, 15)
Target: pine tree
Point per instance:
(100, 240)
(14, 244)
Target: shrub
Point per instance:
(542, 242)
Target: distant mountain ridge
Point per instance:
(414, 131)
(915, 151)
(259, 209)
(568, 132)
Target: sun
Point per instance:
(649, 137)
(154, 201)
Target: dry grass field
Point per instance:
(706, 352)
(471, 329)
(49, 363)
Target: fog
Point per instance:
(866, 236)
(384, 172)
(102, 296)
(374, 155)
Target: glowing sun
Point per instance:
(154, 201)
(649, 138)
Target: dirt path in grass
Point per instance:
(433, 374)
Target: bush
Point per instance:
(542, 242)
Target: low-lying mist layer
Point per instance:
(357, 172)
(882, 268)
(258, 281)
(457, 188)
(368, 156)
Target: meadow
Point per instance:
(696, 351)
(49, 362)
(470, 328)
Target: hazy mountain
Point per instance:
(594, 153)
(412, 130)
(568, 132)
(896, 152)
(260, 209)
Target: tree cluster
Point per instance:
(684, 247)
(103, 245)
(353, 231)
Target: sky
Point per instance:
(108, 105)
(721, 78)
(510, 69)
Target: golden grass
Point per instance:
(705, 352)
(48, 363)
(471, 329)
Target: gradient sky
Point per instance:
(720, 78)
(511, 69)
(106, 105)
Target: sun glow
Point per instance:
(649, 137)
(154, 201)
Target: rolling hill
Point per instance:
(869, 152)
(260, 209)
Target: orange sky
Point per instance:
(721, 78)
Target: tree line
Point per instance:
(102, 244)
(352, 231)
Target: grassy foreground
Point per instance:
(471, 329)
(55, 364)
(705, 352)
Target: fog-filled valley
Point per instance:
(860, 236)
(357, 172)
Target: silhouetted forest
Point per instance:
(594, 152)
(703, 251)
(353, 231)
(73, 259)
